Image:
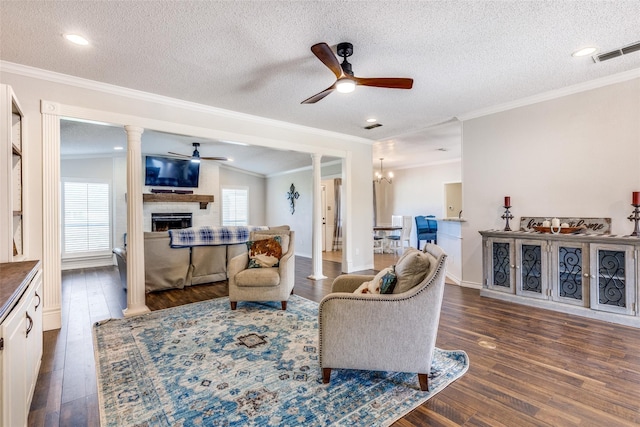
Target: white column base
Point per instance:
(131, 311)
(51, 319)
(316, 277)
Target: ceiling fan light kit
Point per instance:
(346, 81)
(195, 157)
(345, 85)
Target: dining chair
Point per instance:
(426, 229)
(395, 237)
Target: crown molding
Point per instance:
(304, 168)
(54, 77)
(554, 94)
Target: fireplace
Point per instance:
(170, 221)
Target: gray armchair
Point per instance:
(263, 284)
(389, 332)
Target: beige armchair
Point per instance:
(389, 332)
(263, 284)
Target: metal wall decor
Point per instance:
(292, 195)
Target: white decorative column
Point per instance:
(135, 232)
(51, 263)
(316, 242)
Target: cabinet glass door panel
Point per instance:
(499, 255)
(612, 276)
(570, 272)
(502, 264)
(531, 268)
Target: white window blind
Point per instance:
(235, 206)
(86, 218)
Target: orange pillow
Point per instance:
(265, 252)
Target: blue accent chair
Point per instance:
(426, 229)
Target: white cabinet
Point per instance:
(12, 238)
(594, 276)
(21, 343)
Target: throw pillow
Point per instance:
(372, 286)
(388, 281)
(264, 252)
(411, 270)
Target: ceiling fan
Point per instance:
(195, 157)
(345, 80)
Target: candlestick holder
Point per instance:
(507, 216)
(635, 216)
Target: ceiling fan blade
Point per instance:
(318, 96)
(325, 54)
(388, 82)
(215, 158)
(180, 155)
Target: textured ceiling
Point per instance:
(254, 56)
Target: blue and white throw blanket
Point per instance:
(211, 236)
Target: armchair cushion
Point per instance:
(411, 269)
(265, 252)
(258, 277)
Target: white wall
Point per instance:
(578, 155)
(257, 189)
(278, 209)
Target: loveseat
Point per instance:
(169, 267)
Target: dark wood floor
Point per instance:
(528, 367)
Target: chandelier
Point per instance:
(380, 175)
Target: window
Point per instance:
(86, 226)
(235, 206)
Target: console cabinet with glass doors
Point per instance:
(590, 275)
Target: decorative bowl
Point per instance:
(563, 230)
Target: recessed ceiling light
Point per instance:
(118, 148)
(584, 51)
(77, 39)
(371, 120)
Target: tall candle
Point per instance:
(507, 200)
(636, 197)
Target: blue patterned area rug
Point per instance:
(204, 365)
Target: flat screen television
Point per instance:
(170, 172)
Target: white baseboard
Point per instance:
(89, 262)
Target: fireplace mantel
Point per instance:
(203, 199)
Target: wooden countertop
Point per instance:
(14, 280)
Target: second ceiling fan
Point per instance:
(196, 155)
(345, 80)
